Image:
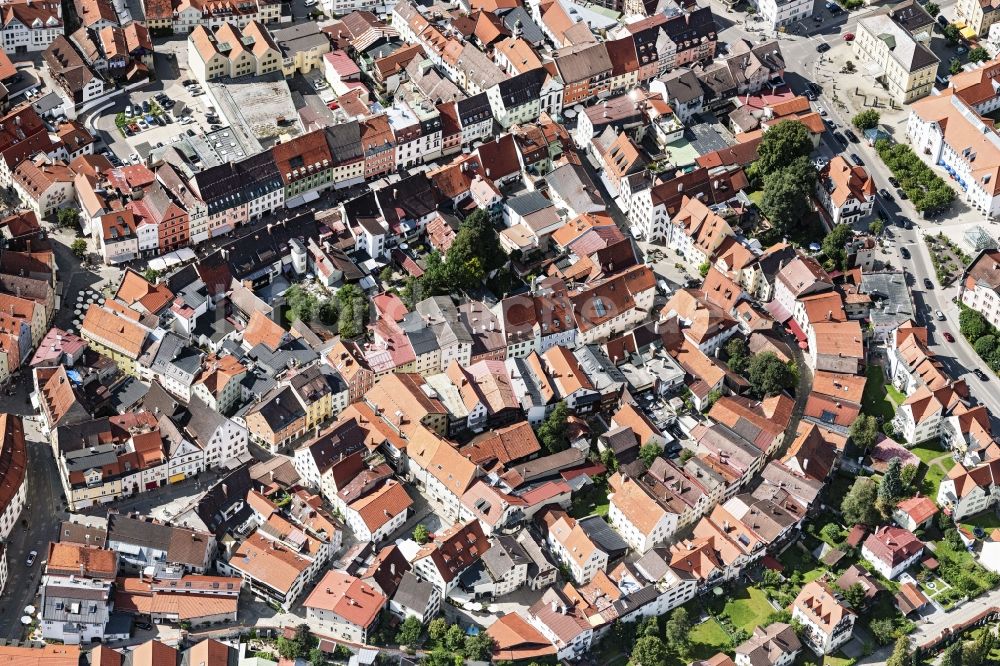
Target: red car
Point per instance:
(949, 337)
(849, 37)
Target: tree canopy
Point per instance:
(867, 119)
(864, 431)
(553, 434)
(782, 144)
(927, 191)
(787, 192)
(768, 375)
(858, 505)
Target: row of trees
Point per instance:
(786, 174)
(983, 336)
(347, 310)
(474, 254)
(928, 192)
(450, 646)
(870, 502)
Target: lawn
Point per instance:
(707, 639)
(795, 559)
(928, 451)
(756, 196)
(988, 520)
(879, 399)
(934, 475)
(592, 500)
(748, 608)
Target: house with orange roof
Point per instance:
(846, 191)
(704, 373)
(443, 560)
(911, 362)
(836, 346)
(637, 516)
(828, 622)
(141, 295)
(218, 384)
(515, 639)
(892, 550)
(572, 547)
(703, 323)
(262, 330)
(117, 237)
(438, 466)
(920, 417)
(378, 514)
(76, 593)
(345, 606)
(120, 338)
(914, 513)
(277, 569)
(43, 184)
(979, 288)
(966, 491)
(696, 233)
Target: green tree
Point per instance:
(385, 275)
(440, 656)
(890, 486)
(420, 534)
(855, 595)
(786, 194)
(951, 34)
(151, 275)
(648, 651)
(835, 244)
(316, 657)
(867, 119)
(900, 652)
(986, 346)
(768, 375)
(477, 239)
(858, 505)
(955, 66)
(678, 630)
(932, 9)
(304, 641)
(686, 455)
(478, 647)
(704, 268)
(68, 218)
(781, 145)
(737, 353)
(908, 476)
(353, 311)
(287, 648)
(609, 460)
(328, 311)
(977, 54)
(437, 630)
(864, 431)
(952, 655)
(553, 434)
(454, 638)
(79, 248)
(977, 651)
(648, 453)
(301, 304)
(410, 631)
(973, 325)
(876, 227)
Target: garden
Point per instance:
(929, 192)
(949, 261)
(880, 399)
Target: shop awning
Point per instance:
(968, 33)
(796, 330)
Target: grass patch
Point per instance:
(592, 500)
(707, 639)
(876, 400)
(928, 451)
(748, 608)
(756, 196)
(795, 559)
(932, 479)
(987, 520)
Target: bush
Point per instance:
(867, 119)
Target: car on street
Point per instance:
(942, 20)
(948, 336)
(823, 47)
(849, 37)
(144, 626)
(903, 252)
(821, 111)
(901, 194)
(939, 315)
(893, 181)
(983, 377)
(884, 193)
(928, 284)
(31, 558)
(857, 159)
(188, 82)
(815, 87)
(961, 50)
(810, 95)
(851, 136)
(840, 138)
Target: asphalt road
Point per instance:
(42, 514)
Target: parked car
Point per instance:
(928, 284)
(884, 193)
(942, 20)
(983, 377)
(961, 50)
(948, 336)
(939, 315)
(902, 195)
(851, 136)
(903, 252)
(849, 37)
(857, 159)
(823, 47)
(128, 110)
(144, 626)
(821, 111)
(893, 181)
(815, 87)
(31, 558)
(840, 138)
(145, 106)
